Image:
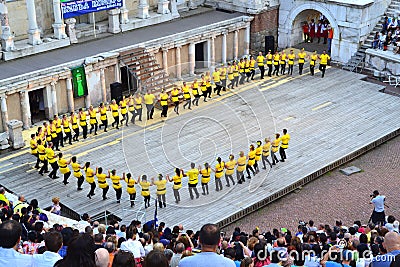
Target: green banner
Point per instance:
(79, 81)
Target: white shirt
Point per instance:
(10, 257)
(133, 246)
(378, 202)
(47, 259)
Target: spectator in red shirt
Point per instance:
(306, 32)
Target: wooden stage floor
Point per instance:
(327, 118)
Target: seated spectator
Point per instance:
(156, 259)
(179, 248)
(53, 243)
(80, 252)
(31, 246)
(102, 257)
(382, 39)
(375, 41)
(209, 239)
(21, 203)
(66, 236)
(132, 244)
(3, 196)
(392, 246)
(124, 259)
(168, 254)
(10, 236)
(388, 41)
(56, 208)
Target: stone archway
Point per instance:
(286, 22)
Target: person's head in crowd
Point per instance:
(363, 239)
(33, 236)
(247, 262)
(96, 224)
(186, 253)
(123, 259)
(158, 247)
(131, 232)
(110, 231)
(102, 229)
(209, 237)
(230, 253)
(391, 241)
(85, 217)
(102, 257)
(34, 203)
(281, 242)
(89, 230)
(53, 241)
(168, 254)
(391, 219)
(123, 228)
(16, 217)
(80, 252)
(184, 239)
(277, 256)
(251, 242)
(113, 239)
(259, 252)
(66, 235)
(179, 248)
(156, 259)
(98, 238)
(110, 246)
(120, 240)
(10, 234)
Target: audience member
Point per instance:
(102, 257)
(80, 252)
(53, 243)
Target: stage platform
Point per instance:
(331, 120)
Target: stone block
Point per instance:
(15, 132)
(377, 63)
(393, 68)
(350, 170)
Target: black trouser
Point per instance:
(276, 70)
(312, 67)
(188, 102)
(218, 88)
(322, 68)
(242, 77)
(282, 153)
(269, 69)
(378, 218)
(54, 168)
(239, 176)
(84, 131)
(227, 176)
(205, 95)
(150, 111)
(161, 200)
(132, 198)
(204, 186)
(301, 65)
(283, 68)
(105, 190)
(60, 138)
(223, 84)
(290, 69)
(92, 188)
(80, 182)
(236, 81)
(262, 70)
(55, 142)
(218, 184)
(105, 124)
(66, 176)
(76, 134)
(209, 89)
(68, 136)
(265, 159)
(256, 167)
(248, 75)
(133, 112)
(138, 112)
(193, 188)
(252, 72)
(116, 121)
(94, 125)
(248, 169)
(274, 158)
(124, 117)
(118, 194)
(196, 100)
(37, 160)
(164, 111)
(232, 82)
(177, 195)
(146, 201)
(44, 167)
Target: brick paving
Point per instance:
(335, 196)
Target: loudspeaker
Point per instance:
(116, 91)
(269, 44)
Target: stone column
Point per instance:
(143, 9)
(71, 30)
(124, 13)
(54, 97)
(58, 26)
(178, 62)
(174, 9)
(117, 73)
(113, 21)
(25, 108)
(192, 58)
(236, 45)
(7, 39)
(163, 7)
(165, 60)
(212, 52)
(70, 95)
(247, 40)
(103, 85)
(224, 48)
(4, 112)
(33, 32)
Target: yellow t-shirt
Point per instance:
(193, 175)
(177, 181)
(275, 145)
(89, 172)
(252, 158)
(102, 180)
(62, 163)
(258, 153)
(77, 169)
(324, 59)
(161, 187)
(266, 149)
(149, 99)
(116, 181)
(130, 185)
(219, 170)
(205, 175)
(230, 167)
(302, 56)
(260, 60)
(50, 155)
(145, 188)
(241, 164)
(285, 140)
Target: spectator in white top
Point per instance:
(132, 244)
(53, 242)
(10, 236)
(378, 215)
(311, 227)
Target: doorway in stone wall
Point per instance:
(200, 52)
(36, 104)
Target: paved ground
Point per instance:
(336, 196)
(87, 49)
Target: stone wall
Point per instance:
(383, 61)
(14, 107)
(263, 24)
(61, 91)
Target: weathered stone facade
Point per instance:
(384, 62)
(264, 24)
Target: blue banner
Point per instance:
(79, 7)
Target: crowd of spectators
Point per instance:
(27, 240)
(389, 35)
